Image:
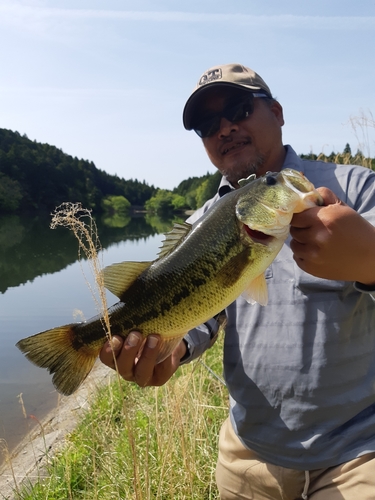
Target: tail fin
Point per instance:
(55, 350)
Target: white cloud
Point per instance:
(19, 13)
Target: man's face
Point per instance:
(253, 145)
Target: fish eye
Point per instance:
(270, 180)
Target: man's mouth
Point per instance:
(227, 149)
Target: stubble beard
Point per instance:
(242, 170)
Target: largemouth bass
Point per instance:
(200, 270)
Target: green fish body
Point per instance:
(200, 270)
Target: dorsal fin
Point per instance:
(244, 182)
(174, 238)
(118, 277)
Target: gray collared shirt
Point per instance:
(301, 371)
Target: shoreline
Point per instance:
(26, 462)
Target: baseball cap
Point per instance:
(228, 75)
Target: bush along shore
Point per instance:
(142, 443)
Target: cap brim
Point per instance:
(196, 96)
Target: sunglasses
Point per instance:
(234, 113)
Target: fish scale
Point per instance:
(200, 270)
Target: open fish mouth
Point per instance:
(258, 236)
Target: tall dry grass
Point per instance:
(152, 443)
(363, 127)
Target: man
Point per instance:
(300, 371)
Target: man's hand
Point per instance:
(143, 370)
(334, 242)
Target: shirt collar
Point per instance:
(224, 187)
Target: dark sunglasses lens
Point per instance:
(232, 112)
(239, 111)
(209, 127)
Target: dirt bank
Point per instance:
(27, 461)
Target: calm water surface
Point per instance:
(42, 285)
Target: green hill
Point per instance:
(39, 177)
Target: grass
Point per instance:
(151, 443)
(348, 159)
(363, 127)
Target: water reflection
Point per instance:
(29, 248)
(41, 286)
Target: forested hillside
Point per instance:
(35, 176)
(39, 177)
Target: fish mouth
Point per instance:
(233, 146)
(258, 236)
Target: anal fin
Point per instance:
(257, 291)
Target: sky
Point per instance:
(107, 80)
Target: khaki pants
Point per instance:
(241, 475)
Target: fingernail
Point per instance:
(152, 342)
(132, 339)
(114, 344)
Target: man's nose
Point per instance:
(227, 127)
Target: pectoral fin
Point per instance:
(257, 291)
(118, 277)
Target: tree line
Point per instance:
(39, 177)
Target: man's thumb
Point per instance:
(329, 197)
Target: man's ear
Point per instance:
(277, 110)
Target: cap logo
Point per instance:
(211, 76)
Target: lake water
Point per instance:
(42, 285)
